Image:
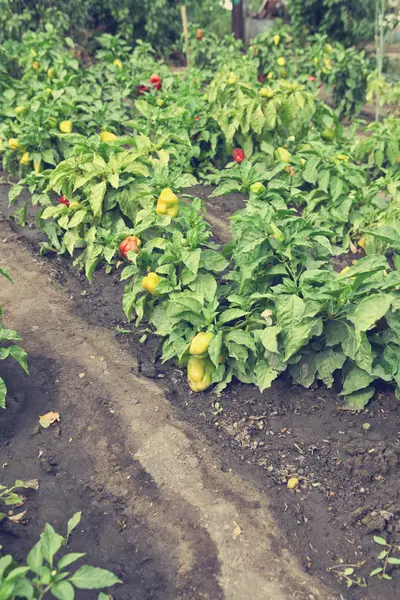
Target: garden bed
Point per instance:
(347, 463)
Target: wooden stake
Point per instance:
(185, 32)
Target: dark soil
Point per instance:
(65, 474)
(349, 477)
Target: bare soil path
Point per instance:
(159, 506)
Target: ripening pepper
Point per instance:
(150, 283)
(328, 134)
(276, 39)
(155, 78)
(107, 136)
(361, 242)
(200, 343)
(232, 79)
(200, 371)
(36, 167)
(118, 63)
(130, 243)
(25, 160)
(281, 61)
(312, 78)
(74, 206)
(266, 92)
(168, 203)
(19, 110)
(47, 91)
(66, 126)
(261, 77)
(257, 188)
(328, 48)
(51, 73)
(36, 65)
(64, 200)
(270, 75)
(277, 234)
(14, 144)
(282, 154)
(238, 155)
(199, 35)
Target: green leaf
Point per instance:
(269, 337)
(370, 310)
(290, 311)
(206, 285)
(392, 560)
(96, 197)
(77, 218)
(265, 375)
(9, 335)
(226, 187)
(379, 540)
(63, 591)
(310, 173)
(20, 356)
(14, 192)
(358, 400)
(242, 338)
(297, 337)
(215, 348)
(213, 261)
(93, 578)
(50, 543)
(326, 363)
(5, 562)
(73, 522)
(35, 557)
(231, 315)
(304, 371)
(336, 187)
(70, 558)
(6, 275)
(356, 379)
(3, 393)
(376, 571)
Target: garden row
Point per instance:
(104, 151)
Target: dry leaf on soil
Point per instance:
(49, 418)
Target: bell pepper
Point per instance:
(118, 63)
(270, 75)
(277, 234)
(51, 73)
(36, 167)
(107, 136)
(64, 200)
(36, 65)
(25, 160)
(74, 206)
(47, 91)
(257, 188)
(328, 134)
(66, 126)
(199, 35)
(14, 144)
(130, 243)
(200, 371)
(238, 155)
(312, 78)
(281, 61)
(282, 154)
(200, 343)
(361, 242)
(150, 283)
(266, 92)
(19, 110)
(168, 203)
(261, 77)
(276, 39)
(232, 79)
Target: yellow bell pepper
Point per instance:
(232, 79)
(47, 91)
(276, 39)
(270, 75)
(14, 144)
(51, 73)
(107, 136)
(118, 63)
(66, 126)
(20, 109)
(150, 283)
(200, 343)
(36, 166)
(36, 65)
(25, 160)
(200, 371)
(281, 61)
(282, 154)
(361, 242)
(168, 203)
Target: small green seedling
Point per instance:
(387, 557)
